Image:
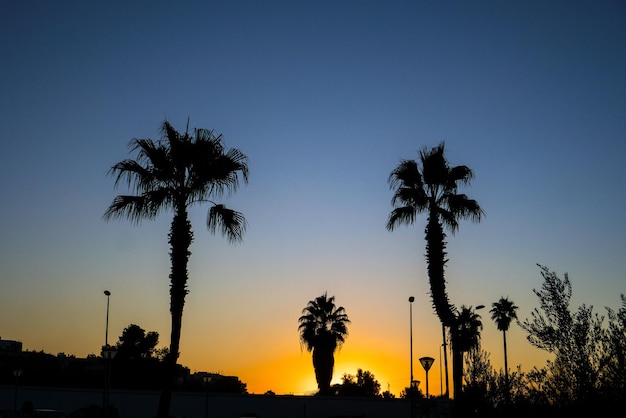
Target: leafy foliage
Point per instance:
(576, 340)
(412, 392)
(613, 379)
(364, 384)
(136, 343)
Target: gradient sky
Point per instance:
(325, 98)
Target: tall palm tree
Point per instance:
(503, 312)
(174, 173)
(431, 186)
(465, 336)
(323, 329)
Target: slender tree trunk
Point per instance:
(445, 360)
(457, 368)
(507, 393)
(181, 237)
(506, 363)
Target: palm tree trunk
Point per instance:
(507, 393)
(457, 368)
(435, 257)
(180, 240)
(323, 363)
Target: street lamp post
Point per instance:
(108, 353)
(440, 374)
(206, 380)
(445, 358)
(411, 300)
(17, 374)
(106, 332)
(426, 363)
(411, 382)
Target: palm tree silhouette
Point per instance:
(465, 335)
(323, 329)
(174, 173)
(503, 312)
(431, 186)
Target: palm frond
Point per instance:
(128, 172)
(410, 196)
(169, 133)
(231, 223)
(461, 173)
(136, 208)
(435, 170)
(401, 216)
(464, 207)
(406, 174)
(210, 142)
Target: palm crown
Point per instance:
(468, 329)
(503, 312)
(322, 321)
(176, 172)
(432, 186)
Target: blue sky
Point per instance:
(325, 98)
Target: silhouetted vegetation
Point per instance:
(363, 384)
(135, 343)
(465, 335)
(412, 392)
(174, 173)
(137, 365)
(431, 186)
(586, 354)
(503, 312)
(586, 376)
(323, 329)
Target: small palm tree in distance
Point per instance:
(503, 312)
(323, 329)
(465, 336)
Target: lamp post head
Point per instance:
(480, 307)
(106, 292)
(411, 299)
(427, 362)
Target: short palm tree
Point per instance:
(465, 336)
(431, 186)
(503, 312)
(323, 329)
(174, 173)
